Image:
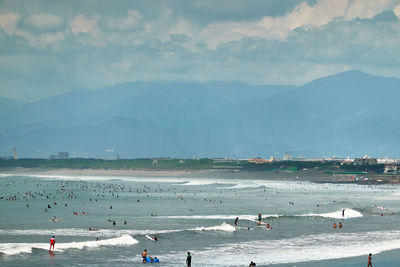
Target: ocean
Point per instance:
(196, 215)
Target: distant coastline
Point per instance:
(323, 171)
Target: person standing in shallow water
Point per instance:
(52, 242)
(369, 260)
(189, 260)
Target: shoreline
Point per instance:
(315, 176)
(100, 172)
(310, 175)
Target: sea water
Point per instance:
(191, 214)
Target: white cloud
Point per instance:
(48, 38)
(8, 22)
(80, 24)
(396, 11)
(123, 23)
(46, 21)
(302, 15)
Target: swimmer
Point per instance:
(340, 225)
(268, 225)
(52, 242)
(334, 226)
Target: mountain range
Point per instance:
(347, 114)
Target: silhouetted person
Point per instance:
(189, 260)
(369, 260)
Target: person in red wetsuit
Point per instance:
(52, 242)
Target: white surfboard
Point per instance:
(149, 237)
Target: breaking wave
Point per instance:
(17, 248)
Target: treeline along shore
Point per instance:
(317, 171)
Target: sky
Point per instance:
(50, 47)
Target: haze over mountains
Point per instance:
(348, 114)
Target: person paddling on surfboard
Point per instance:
(52, 242)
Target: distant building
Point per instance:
(15, 154)
(388, 161)
(391, 168)
(257, 160)
(60, 155)
(287, 156)
(365, 161)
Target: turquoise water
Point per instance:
(192, 214)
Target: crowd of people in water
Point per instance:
(74, 194)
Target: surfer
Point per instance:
(189, 260)
(144, 255)
(259, 217)
(236, 222)
(369, 260)
(155, 238)
(343, 212)
(52, 242)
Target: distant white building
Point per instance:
(287, 156)
(15, 154)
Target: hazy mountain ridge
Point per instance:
(351, 113)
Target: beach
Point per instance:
(194, 211)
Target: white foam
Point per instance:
(232, 217)
(299, 249)
(97, 178)
(199, 182)
(17, 248)
(348, 214)
(235, 183)
(222, 227)
(83, 232)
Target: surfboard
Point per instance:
(149, 237)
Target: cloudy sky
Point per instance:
(50, 47)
